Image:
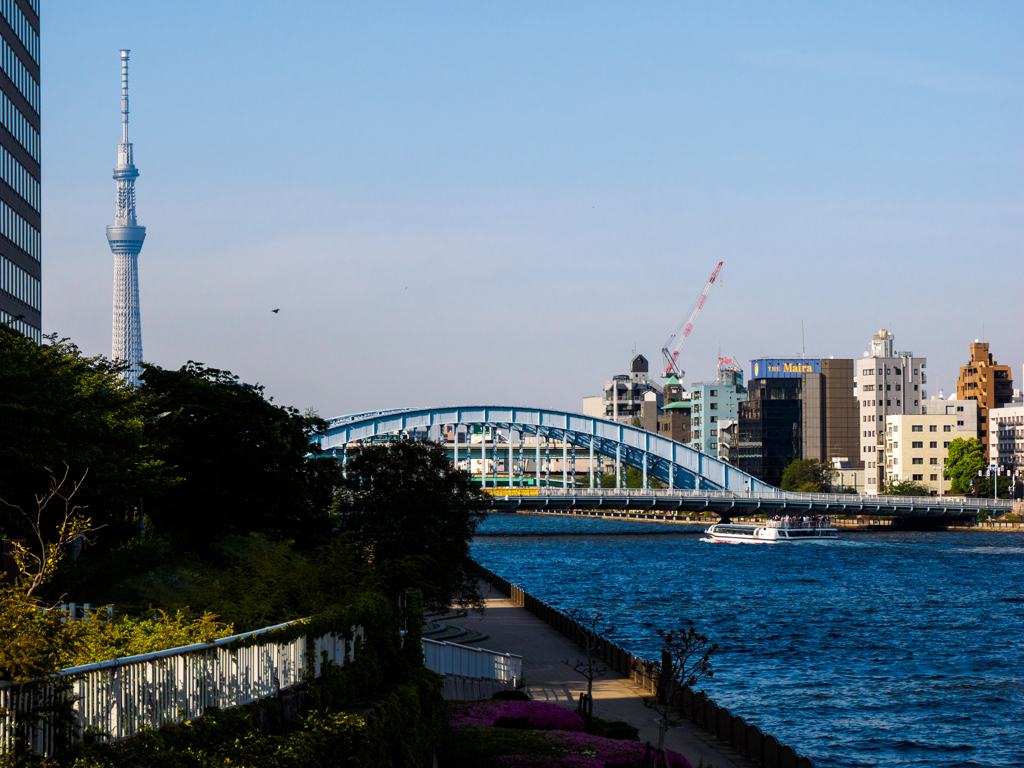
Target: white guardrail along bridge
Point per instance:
(696, 481)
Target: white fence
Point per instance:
(116, 699)
(461, 660)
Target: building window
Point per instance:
(915, 388)
(917, 461)
(918, 477)
(714, 406)
(713, 419)
(959, 408)
(933, 461)
(933, 444)
(947, 428)
(897, 387)
(933, 427)
(934, 477)
(888, 402)
(917, 444)
(945, 444)
(917, 428)
(713, 393)
(714, 445)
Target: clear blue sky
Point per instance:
(494, 202)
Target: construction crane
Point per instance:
(682, 333)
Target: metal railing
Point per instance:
(116, 699)
(464, 661)
(831, 498)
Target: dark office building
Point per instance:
(769, 434)
(20, 257)
(796, 409)
(831, 420)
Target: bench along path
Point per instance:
(511, 629)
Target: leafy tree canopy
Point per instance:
(59, 407)
(808, 476)
(906, 488)
(405, 502)
(964, 459)
(245, 462)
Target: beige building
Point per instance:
(916, 446)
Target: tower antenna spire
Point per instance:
(124, 95)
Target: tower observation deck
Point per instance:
(125, 237)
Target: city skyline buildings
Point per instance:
(845, 165)
(125, 238)
(21, 268)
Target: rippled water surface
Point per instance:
(895, 649)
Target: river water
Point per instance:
(894, 649)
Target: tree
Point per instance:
(964, 459)
(906, 488)
(60, 408)
(592, 667)
(53, 529)
(246, 464)
(808, 476)
(405, 502)
(685, 661)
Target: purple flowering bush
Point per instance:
(535, 715)
(611, 753)
(535, 734)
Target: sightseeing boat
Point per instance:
(791, 530)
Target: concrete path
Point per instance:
(512, 629)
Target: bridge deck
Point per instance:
(726, 503)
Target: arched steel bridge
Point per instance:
(675, 464)
(695, 480)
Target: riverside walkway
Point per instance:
(512, 629)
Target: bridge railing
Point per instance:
(831, 498)
(454, 659)
(116, 699)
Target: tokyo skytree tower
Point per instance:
(125, 238)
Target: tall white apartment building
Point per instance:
(1006, 437)
(887, 383)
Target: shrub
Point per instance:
(613, 753)
(534, 715)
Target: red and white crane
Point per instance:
(682, 333)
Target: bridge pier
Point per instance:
(591, 462)
(618, 466)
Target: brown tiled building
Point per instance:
(831, 414)
(984, 381)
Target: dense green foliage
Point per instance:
(35, 642)
(964, 459)
(416, 515)
(59, 407)
(243, 460)
(218, 516)
(906, 488)
(808, 476)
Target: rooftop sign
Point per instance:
(770, 368)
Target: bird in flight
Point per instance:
(275, 311)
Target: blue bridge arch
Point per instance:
(676, 464)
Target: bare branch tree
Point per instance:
(35, 568)
(685, 660)
(592, 667)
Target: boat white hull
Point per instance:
(758, 534)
